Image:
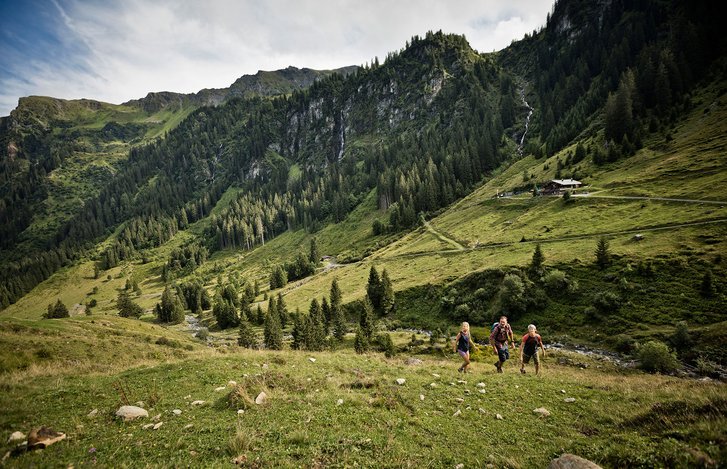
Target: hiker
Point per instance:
(500, 336)
(529, 349)
(462, 345)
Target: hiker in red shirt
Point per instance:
(500, 336)
(529, 349)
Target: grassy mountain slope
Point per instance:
(354, 413)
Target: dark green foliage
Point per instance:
(603, 254)
(386, 345)
(388, 300)
(374, 290)
(229, 294)
(681, 340)
(278, 278)
(127, 308)
(282, 311)
(314, 255)
(300, 268)
(360, 341)
(656, 357)
(606, 302)
(225, 313)
(338, 318)
(246, 336)
(314, 333)
(366, 319)
(273, 332)
(170, 309)
(298, 331)
(193, 293)
(536, 269)
(57, 311)
(327, 315)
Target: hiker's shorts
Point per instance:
(503, 353)
(535, 357)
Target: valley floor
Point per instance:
(341, 409)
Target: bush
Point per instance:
(203, 334)
(555, 280)
(656, 357)
(606, 302)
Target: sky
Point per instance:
(117, 50)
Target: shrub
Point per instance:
(203, 334)
(656, 357)
(57, 312)
(555, 280)
(606, 302)
(706, 367)
(387, 345)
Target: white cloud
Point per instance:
(126, 49)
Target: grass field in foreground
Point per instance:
(344, 409)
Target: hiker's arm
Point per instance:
(454, 345)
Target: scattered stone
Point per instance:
(219, 389)
(232, 384)
(562, 391)
(452, 384)
(411, 361)
(157, 425)
(177, 412)
(569, 399)
(435, 375)
(481, 410)
(311, 359)
(339, 402)
(459, 466)
(264, 366)
(433, 385)
(188, 426)
(16, 436)
(400, 381)
(499, 417)
(461, 381)
(517, 386)
(156, 418)
(188, 397)
(482, 391)
(140, 404)
(466, 391)
(130, 412)
(240, 411)
(571, 461)
(480, 385)
(459, 399)
(43, 437)
(421, 397)
(147, 426)
(197, 403)
(542, 411)
(261, 398)
(459, 412)
(92, 414)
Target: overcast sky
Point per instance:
(114, 51)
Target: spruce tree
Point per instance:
(246, 336)
(326, 313)
(366, 321)
(603, 255)
(373, 289)
(127, 308)
(282, 311)
(387, 293)
(314, 256)
(273, 333)
(336, 296)
(298, 332)
(259, 316)
(387, 345)
(536, 269)
(360, 343)
(707, 287)
(170, 308)
(315, 327)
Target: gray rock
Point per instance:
(400, 381)
(542, 411)
(261, 398)
(571, 461)
(411, 361)
(131, 412)
(569, 399)
(92, 414)
(499, 417)
(177, 412)
(197, 403)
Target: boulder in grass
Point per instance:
(43, 437)
(261, 398)
(571, 461)
(542, 411)
(131, 412)
(16, 437)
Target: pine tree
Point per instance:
(536, 269)
(282, 311)
(225, 314)
(338, 318)
(298, 332)
(387, 345)
(326, 313)
(314, 256)
(360, 343)
(315, 327)
(707, 287)
(246, 336)
(127, 308)
(603, 255)
(273, 333)
(57, 311)
(170, 309)
(336, 296)
(387, 293)
(259, 316)
(366, 321)
(373, 289)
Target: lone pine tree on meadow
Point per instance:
(603, 255)
(246, 335)
(387, 293)
(536, 269)
(127, 308)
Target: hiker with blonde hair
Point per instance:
(462, 345)
(529, 349)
